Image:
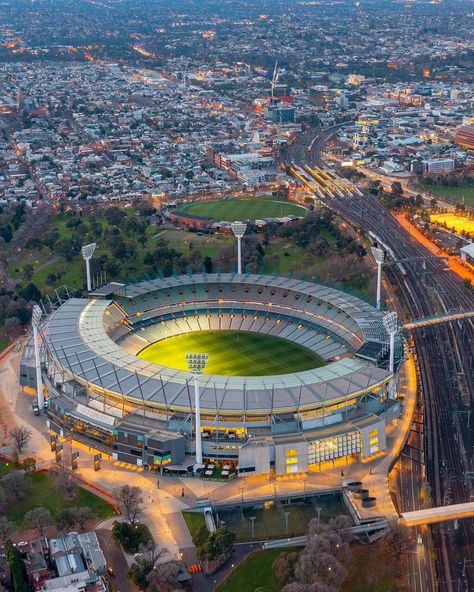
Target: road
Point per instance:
(445, 363)
(116, 560)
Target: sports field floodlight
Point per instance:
(390, 322)
(35, 321)
(239, 228)
(197, 363)
(379, 256)
(87, 252)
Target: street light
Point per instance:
(35, 321)
(87, 252)
(239, 228)
(286, 514)
(390, 322)
(379, 256)
(197, 363)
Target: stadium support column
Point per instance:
(390, 322)
(197, 363)
(87, 252)
(35, 319)
(239, 228)
(379, 256)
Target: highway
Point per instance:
(445, 361)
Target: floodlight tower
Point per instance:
(390, 322)
(87, 252)
(197, 363)
(239, 228)
(35, 321)
(379, 256)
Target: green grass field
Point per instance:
(194, 521)
(255, 572)
(234, 353)
(243, 209)
(464, 193)
(270, 522)
(43, 493)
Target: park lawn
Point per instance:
(207, 245)
(43, 493)
(4, 343)
(234, 353)
(194, 521)
(270, 522)
(244, 209)
(46, 262)
(255, 572)
(455, 194)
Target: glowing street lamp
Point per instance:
(35, 321)
(239, 228)
(197, 363)
(390, 322)
(87, 252)
(379, 256)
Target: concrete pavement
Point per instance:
(163, 506)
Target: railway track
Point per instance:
(445, 360)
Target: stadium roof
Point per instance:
(76, 336)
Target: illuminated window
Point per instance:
(292, 461)
(292, 452)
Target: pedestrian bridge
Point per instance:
(439, 514)
(444, 318)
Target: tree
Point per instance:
(144, 563)
(397, 189)
(165, 577)
(396, 542)
(64, 480)
(6, 527)
(17, 568)
(38, 518)
(321, 566)
(131, 500)
(21, 436)
(131, 537)
(139, 572)
(29, 464)
(12, 327)
(66, 519)
(28, 270)
(284, 567)
(17, 485)
(84, 515)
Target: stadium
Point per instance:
(297, 373)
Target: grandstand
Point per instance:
(141, 412)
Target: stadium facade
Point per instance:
(102, 394)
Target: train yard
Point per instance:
(441, 444)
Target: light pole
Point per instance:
(379, 256)
(252, 520)
(390, 322)
(287, 515)
(87, 252)
(35, 320)
(239, 228)
(197, 363)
